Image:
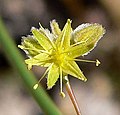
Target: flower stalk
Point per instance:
(71, 95)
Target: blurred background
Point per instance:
(100, 95)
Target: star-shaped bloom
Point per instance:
(58, 50)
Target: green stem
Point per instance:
(17, 61)
(72, 96)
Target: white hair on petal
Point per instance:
(82, 26)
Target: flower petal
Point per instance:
(30, 46)
(71, 68)
(43, 40)
(40, 59)
(80, 50)
(53, 76)
(86, 37)
(88, 32)
(55, 28)
(46, 32)
(64, 38)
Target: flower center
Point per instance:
(59, 56)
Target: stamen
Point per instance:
(61, 92)
(36, 85)
(77, 43)
(97, 62)
(43, 76)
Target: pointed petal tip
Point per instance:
(29, 67)
(53, 21)
(49, 87)
(69, 21)
(20, 46)
(83, 79)
(33, 28)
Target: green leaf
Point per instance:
(43, 40)
(53, 76)
(71, 68)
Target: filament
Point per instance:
(61, 91)
(97, 62)
(37, 84)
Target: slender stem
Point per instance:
(72, 96)
(29, 79)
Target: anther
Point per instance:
(62, 94)
(35, 86)
(97, 62)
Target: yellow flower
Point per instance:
(59, 49)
